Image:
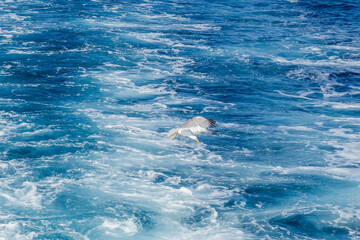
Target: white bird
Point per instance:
(194, 126)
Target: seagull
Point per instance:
(194, 126)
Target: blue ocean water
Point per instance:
(90, 89)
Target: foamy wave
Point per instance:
(347, 147)
(297, 128)
(341, 47)
(27, 196)
(167, 16)
(12, 230)
(127, 88)
(12, 16)
(302, 94)
(346, 173)
(338, 105)
(112, 225)
(14, 51)
(212, 233)
(6, 169)
(329, 62)
(313, 74)
(15, 31)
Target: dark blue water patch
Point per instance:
(335, 9)
(309, 225)
(347, 81)
(303, 222)
(296, 187)
(35, 152)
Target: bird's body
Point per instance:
(194, 126)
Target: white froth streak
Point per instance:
(338, 105)
(297, 128)
(336, 172)
(329, 62)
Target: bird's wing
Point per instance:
(199, 124)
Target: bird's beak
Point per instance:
(198, 141)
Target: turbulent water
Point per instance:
(90, 89)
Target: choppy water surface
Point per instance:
(90, 89)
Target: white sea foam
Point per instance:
(329, 62)
(185, 191)
(297, 128)
(175, 181)
(141, 166)
(27, 196)
(6, 169)
(302, 94)
(127, 226)
(164, 16)
(127, 88)
(352, 120)
(328, 91)
(15, 31)
(246, 152)
(153, 38)
(12, 230)
(212, 232)
(113, 24)
(338, 105)
(334, 171)
(341, 47)
(12, 16)
(15, 51)
(349, 154)
(194, 45)
(347, 147)
(311, 49)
